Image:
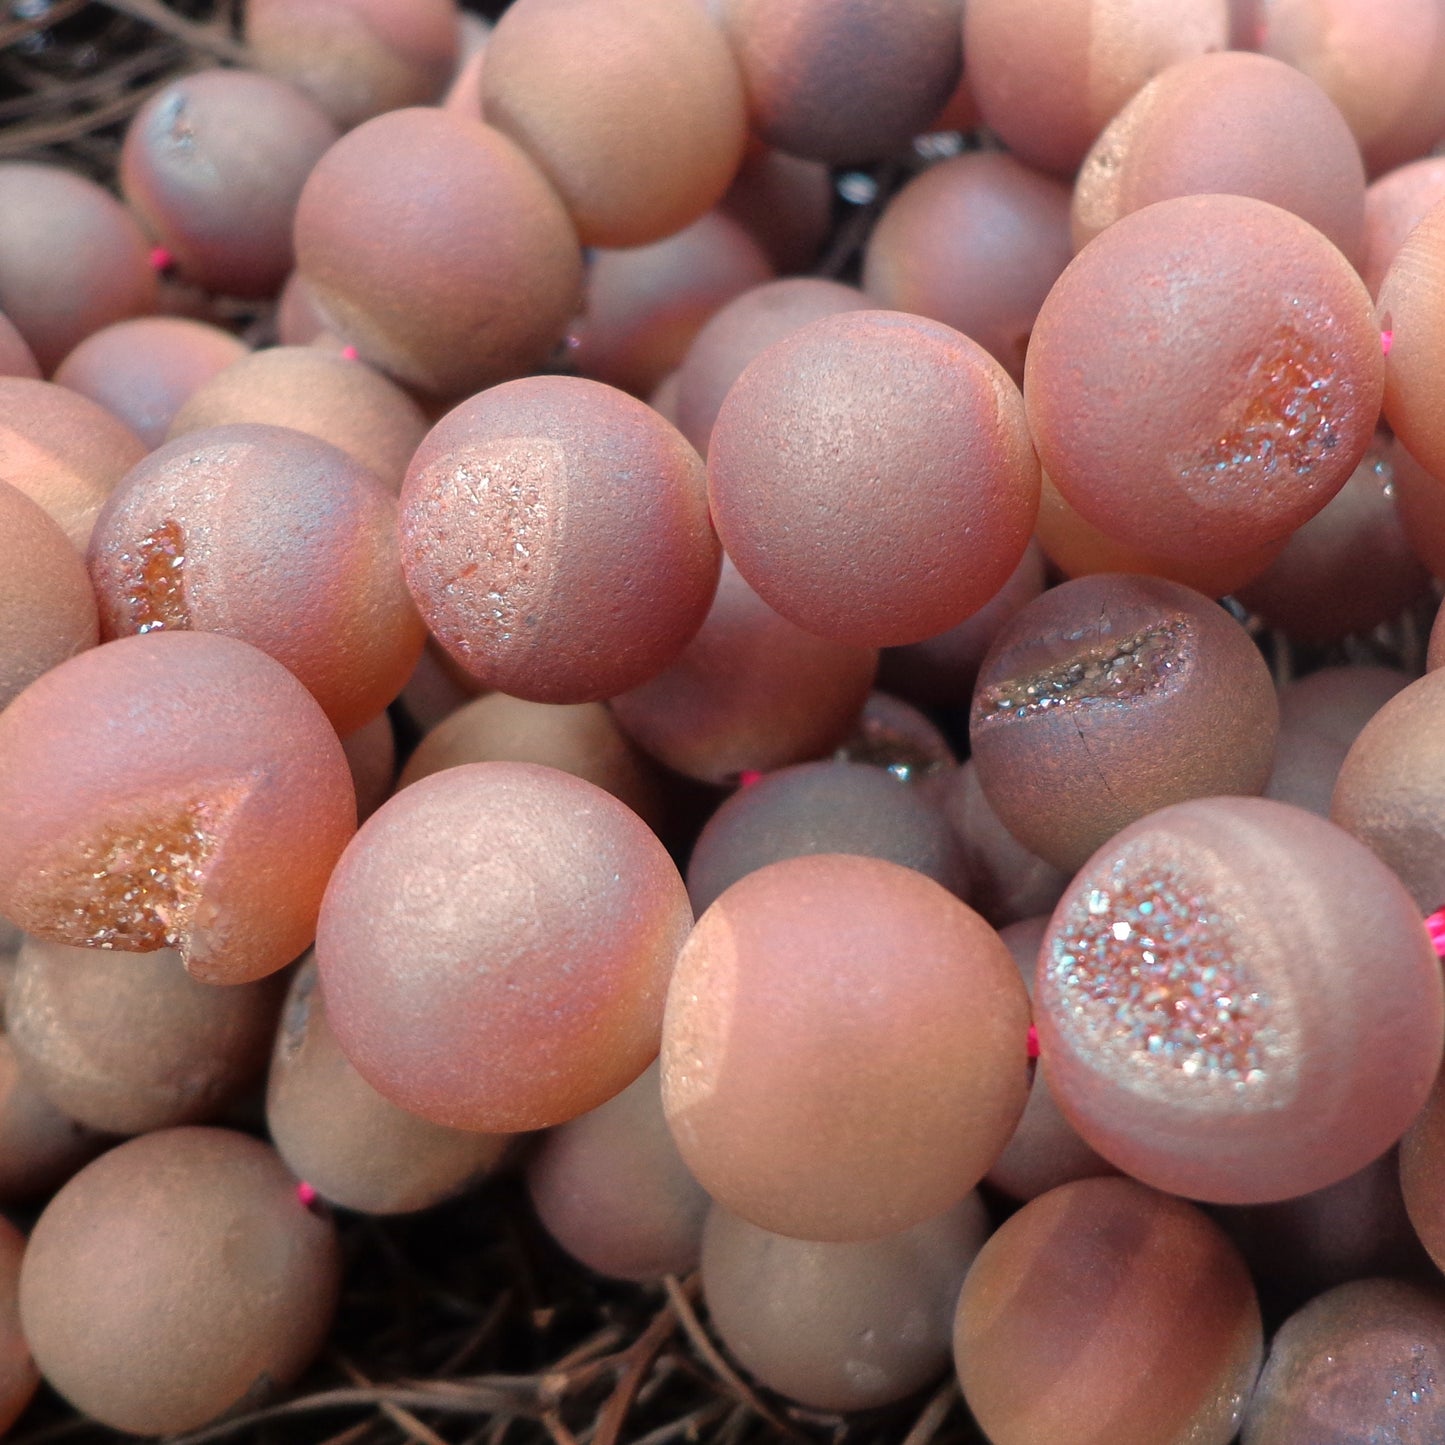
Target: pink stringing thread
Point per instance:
(348, 353)
(161, 259)
(1033, 1042)
(1435, 927)
(1387, 340)
(307, 1194)
(748, 777)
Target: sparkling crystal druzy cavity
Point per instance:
(1236, 1002)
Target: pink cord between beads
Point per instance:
(161, 259)
(348, 353)
(307, 1194)
(1435, 927)
(1033, 1042)
(748, 777)
(1387, 340)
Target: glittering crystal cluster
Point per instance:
(1287, 421)
(1116, 669)
(1147, 963)
(155, 594)
(135, 889)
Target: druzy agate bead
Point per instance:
(1238, 1002)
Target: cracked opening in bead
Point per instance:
(1116, 669)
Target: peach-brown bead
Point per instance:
(47, 607)
(1381, 67)
(437, 688)
(298, 322)
(1359, 1361)
(1435, 652)
(495, 946)
(1049, 77)
(1411, 312)
(16, 358)
(1321, 714)
(1391, 788)
(72, 259)
(1222, 412)
(1394, 205)
(1336, 702)
(1349, 1230)
(751, 692)
(592, 90)
(354, 1147)
(612, 1190)
(556, 537)
(871, 476)
(645, 304)
(1007, 883)
(786, 202)
(18, 1376)
(341, 401)
(1420, 502)
(1212, 997)
(663, 398)
(840, 1326)
(1422, 1174)
(127, 1044)
(436, 248)
(357, 58)
(1349, 569)
(826, 807)
(213, 164)
(843, 1050)
(975, 242)
(1109, 697)
(581, 739)
(896, 737)
(844, 80)
(140, 808)
(145, 369)
(371, 755)
(174, 1277)
(40, 1148)
(743, 329)
(1244, 124)
(63, 451)
(1103, 1313)
(274, 537)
